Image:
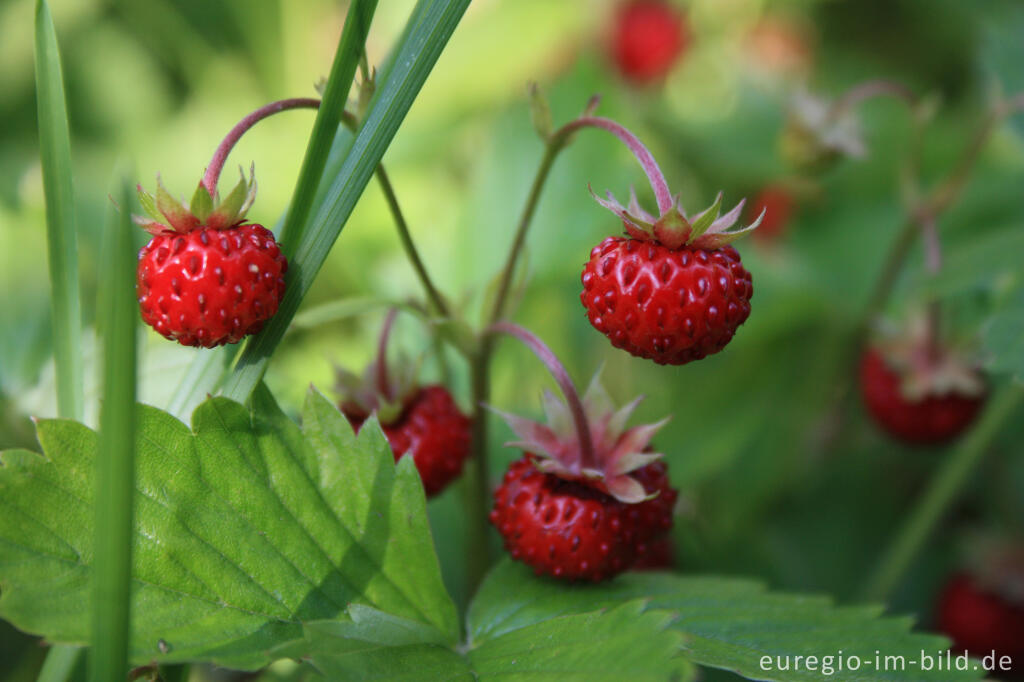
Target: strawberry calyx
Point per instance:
(674, 229)
(167, 214)
(586, 440)
(617, 450)
(379, 390)
(928, 369)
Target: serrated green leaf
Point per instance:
(247, 527)
(628, 641)
(726, 623)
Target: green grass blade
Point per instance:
(60, 663)
(115, 463)
(55, 156)
(339, 83)
(202, 378)
(432, 25)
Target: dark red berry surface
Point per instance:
(570, 530)
(981, 621)
(933, 420)
(210, 287)
(432, 428)
(658, 557)
(647, 38)
(671, 306)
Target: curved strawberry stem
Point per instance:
(561, 377)
(212, 174)
(643, 155)
(868, 90)
(383, 382)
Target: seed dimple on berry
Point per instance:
(161, 255)
(713, 315)
(225, 246)
(606, 265)
(609, 301)
(219, 274)
(204, 238)
(702, 286)
(630, 320)
(665, 272)
(193, 264)
(628, 273)
(179, 245)
(201, 299)
(702, 256)
(643, 292)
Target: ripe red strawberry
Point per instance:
(672, 291)
(423, 422)
(918, 397)
(777, 204)
(648, 36)
(432, 430)
(206, 278)
(980, 620)
(579, 519)
(658, 557)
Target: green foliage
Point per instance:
(1004, 337)
(725, 623)
(247, 527)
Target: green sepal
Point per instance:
(702, 222)
(175, 212)
(201, 204)
(148, 204)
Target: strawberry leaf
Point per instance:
(627, 641)
(247, 527)
(724, 622)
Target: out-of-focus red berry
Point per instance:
(778, 206)
(648, 36)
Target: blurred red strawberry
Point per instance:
(981, 619)
(647, 38)
(778, 205)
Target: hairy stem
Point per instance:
(868, 90)
(643, 155)
(213, 171)
(561, 376)
(946, 483)
(383, 382)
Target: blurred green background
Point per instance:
(769, 489)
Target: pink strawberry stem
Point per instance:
(561, 376)
(383, 381)
(662, 194)
(213, 171)
(869, 90)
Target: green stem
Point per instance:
(433, 295)
(941, 492)
(477, 486)
(115, 472)
(60, 663)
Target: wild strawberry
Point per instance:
(918, 392)
(206, 278)
(583, 511)
(424, 422)
(647, 38)
(777, 204)
(673, 291)
(659, 556)
(982, 610)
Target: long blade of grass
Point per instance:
(115, 465)
(62, 243)
(429, 29)
(339, 83)
(61, 240)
